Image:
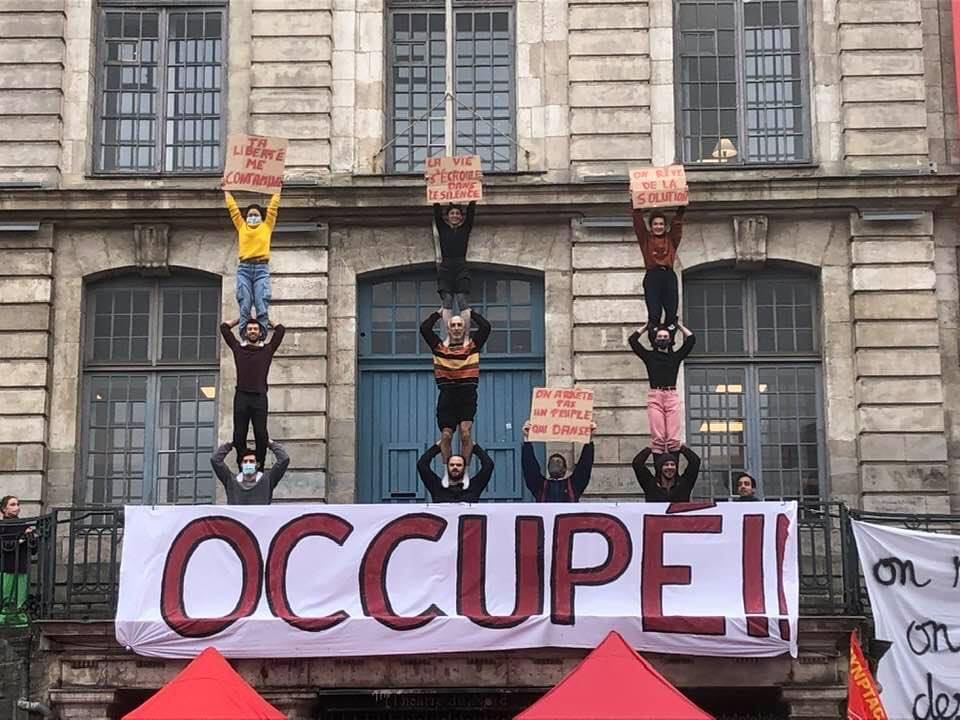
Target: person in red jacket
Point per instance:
(659, 247)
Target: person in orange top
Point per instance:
(456, 368)
(659, 248)
(254, 231)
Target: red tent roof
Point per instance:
(206, 689)
(613, 683)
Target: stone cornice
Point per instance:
(378, 198)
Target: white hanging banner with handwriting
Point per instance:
(296, 580)
(912, 578)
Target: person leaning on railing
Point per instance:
(18, 541)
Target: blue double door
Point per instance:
(397, 396)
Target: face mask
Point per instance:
(253, 220)
(663, 344)
(248, 468)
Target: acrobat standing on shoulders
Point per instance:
(659, 244)
(456, 369)
(453, 274)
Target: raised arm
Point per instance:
(644, 476)
(532, 474)
(676, 226)
(426, 330)
(226, 330)
(689, 477)
(278, 332)
(220, 468)
(438, 216)
(640, 227)
(637, 346)
(281, 462)
(468, 220)
(234, 211)
(272, 209)
(427, 476)
(478, 483)
(689, 340)
(483, 329)
(583, 469)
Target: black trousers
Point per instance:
(250, 407)
(662, 295)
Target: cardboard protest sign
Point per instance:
(561, 414)
(454, 179)
(254, 163)
(657, 187)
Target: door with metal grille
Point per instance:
(396, 403)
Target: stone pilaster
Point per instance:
(900, 395)
(607, 307)
(883, 86)
(26, 296)
(298, 377)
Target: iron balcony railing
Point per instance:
(69, 561)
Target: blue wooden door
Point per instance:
(397, 397)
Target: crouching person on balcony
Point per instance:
(18, 541)
(250, 486)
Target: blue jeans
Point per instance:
(253, 290)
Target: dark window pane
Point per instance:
(772, 105)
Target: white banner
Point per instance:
(342, 580)
(912, 578)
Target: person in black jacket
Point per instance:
(250, 486)
(455, 485)
(18, 541)
(558, 487)
(668, 485)
(252, 357)
(663, 403)
(746, 488)
(453, 275)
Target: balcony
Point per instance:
(73, 564)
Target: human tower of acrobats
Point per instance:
(454, 185)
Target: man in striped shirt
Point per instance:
(456, 368)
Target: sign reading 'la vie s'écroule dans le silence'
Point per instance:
(454, 179)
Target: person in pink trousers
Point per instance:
(663, 404)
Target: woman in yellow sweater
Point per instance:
(254, 228)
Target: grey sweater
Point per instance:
(261, 493)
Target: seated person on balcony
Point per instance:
(254, 230)
(668, 485)
(253, 358)
(456, 368)
(453, 275)
(558, 487)
(746, 488)
(250, 486)
(455, 486)
(18, 541)
(659, 248)
(663, 404)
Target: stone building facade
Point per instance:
(868, 217)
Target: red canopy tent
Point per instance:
(614, 683)
(206, 689)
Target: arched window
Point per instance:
(754, 383)
(149, 390)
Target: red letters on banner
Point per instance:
(471, 570)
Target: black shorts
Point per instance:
(456, 404)
(453, 276)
